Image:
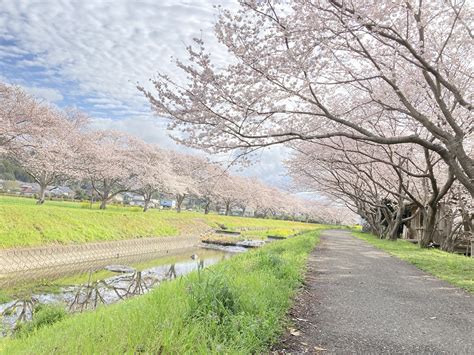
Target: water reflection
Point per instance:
(133, 280)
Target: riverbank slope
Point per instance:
(237, 306)
(25, 224)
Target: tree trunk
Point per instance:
(207, 207)
(104, 200)
(464, 229)
(179, 202)
(147, 202)
(387, 223)
(393, 233)
(42, 193)
(370, 226)
(429, 227)
(395, 227)
(464, 171)
(449, 243)
(227, 209)
(103, 204)
(378, 224)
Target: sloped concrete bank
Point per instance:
(21, 264)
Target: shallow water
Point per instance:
(98, 286)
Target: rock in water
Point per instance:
(122, 269)
(250, 243)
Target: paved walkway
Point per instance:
(358, 299)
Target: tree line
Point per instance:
(373, 99)
(53, 145)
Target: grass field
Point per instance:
(456, 269)
(237, 306)
(23, 223)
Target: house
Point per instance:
(29, 189)
(61, 191)
(118, 198)
(167, 203)
(10, 186)
(133, 199)
(137, 201)
(238, 211)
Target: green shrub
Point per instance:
(211, 298)
(43, 315)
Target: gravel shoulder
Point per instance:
(359, 299)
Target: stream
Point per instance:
(120, 279)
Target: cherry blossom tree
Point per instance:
(329, 212)
(317, 69)
(48, 154)
(232, 191)
(21, 116)
(460, 216)
(152, 170)
(244, 189)
(208, 177)
(354, 183)
(227, 191)
(185, 170)
(106, 160)
(377, 182)
(263, 198)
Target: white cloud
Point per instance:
(105, 48)
(11, 52)
(269, 166)
(49, 94)
(148, 128)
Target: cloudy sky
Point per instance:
(91, 54)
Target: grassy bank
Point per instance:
(458, 270)
(23, 223)
(236, 306)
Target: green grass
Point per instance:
(237, 306)
(4, 296)
(280, 232)
(43, 315)
(23, 223)
(458, 270)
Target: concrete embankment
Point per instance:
(20, 264)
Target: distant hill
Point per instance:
(10, 170)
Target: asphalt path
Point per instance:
(359, 299)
